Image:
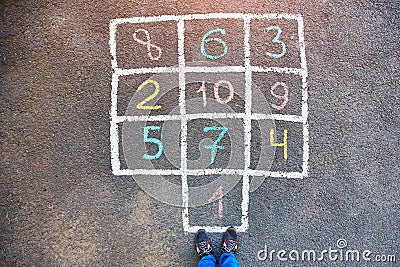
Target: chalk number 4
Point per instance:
(276, 40)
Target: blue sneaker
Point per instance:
(203, 243)
(230, 242)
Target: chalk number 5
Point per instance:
(276, 40)
(155, 141)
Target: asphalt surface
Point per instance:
(60, 204)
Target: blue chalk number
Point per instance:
(276, 40)
(205, 40)
(158, 142)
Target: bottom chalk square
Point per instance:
(218, 204)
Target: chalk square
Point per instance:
(275, 43)
(133, 51)
(151, 145)
(218, 200)
(288, 92)
(215, 144)
(148, 94)
(215, 93)
(269, 157)
(215, 40)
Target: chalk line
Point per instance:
(254, 116)
(215, 69)
(125, 72)
(304, 109)
(279, 70)
(162, 18)
(211, 69)
(202, 172)
(247, 126)
(113, 44)
(182, 109)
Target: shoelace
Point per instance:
(204, 249)
(230, 246)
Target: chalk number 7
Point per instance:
(276, 40)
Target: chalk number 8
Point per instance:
(276, 40)
(205, 40)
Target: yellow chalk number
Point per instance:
(284, 144)
(141, 105)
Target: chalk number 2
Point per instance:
(276, 40)
(141, 105)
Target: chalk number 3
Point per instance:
(276, 40)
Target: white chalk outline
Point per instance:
(247, 116)
(254, 116)
(199, 172)
(125, 72)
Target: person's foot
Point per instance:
(230, 242)
(203, 243)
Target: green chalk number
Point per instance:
(215, 145)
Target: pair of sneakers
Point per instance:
(229, 243)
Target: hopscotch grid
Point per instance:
(183, 117)
(113, 44)
(114, 137)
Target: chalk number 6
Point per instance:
(206, 39)
(276, 40)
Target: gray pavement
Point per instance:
(60, 204)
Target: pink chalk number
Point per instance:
(228, 99)
(218, 195)
(148, 44)
(284, 97)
